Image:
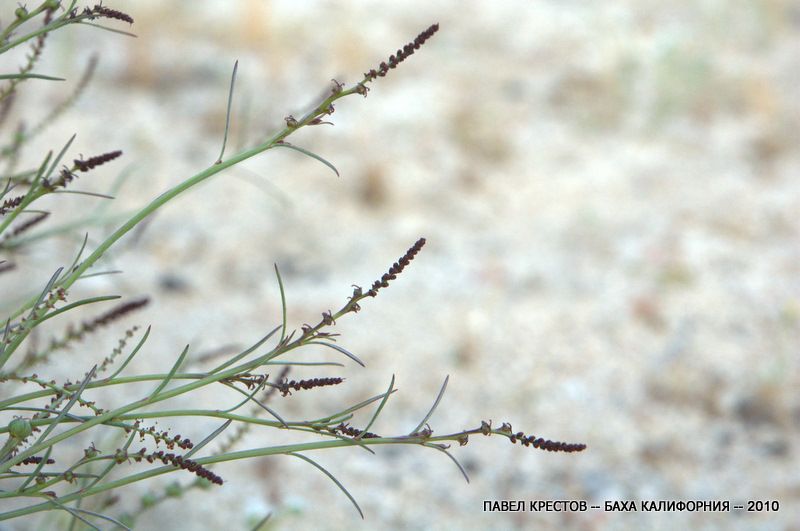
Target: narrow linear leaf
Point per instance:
(245, 353)
(228, 113)
(352, 440)
(104, 517)
(77, 257)
(30, 194)
(433, 407)
(60, 156)
(310, 154)
(113, 463)
(340, 349)
(339, 416)
(38, 469)
(283, 303)
(81, 192)
(213, 435)
(45, 291)
(132, 354)
(448, 454)
(74, 514)
(9, 186)
(307, 363)
(75, 396)
(258, 403)
(172, 372)
(331, 476)
(112, 30)
(73, 305)
(380, 406)
(30, 76)
(5, 339)
(7, 349)
(102, 273)
(248, 396)
(261, 522)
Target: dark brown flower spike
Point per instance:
(171, 459)
(346, 429)
(100, 10)
(396, 268)
(285, 387)
(35, 460)
(23, 227)
(115, 313)
(86, 165)
(11, 204)
(402, 54)
(532, 440)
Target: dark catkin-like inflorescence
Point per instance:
(11, 204)
(77, 333)
(401, 54)
(115, 313)
(34, 460)
(23, 227)
(346, 429)
(103, 11)
(93, 162)
(285, 387)
(537, 442)
(160, 437)
(178, 461)
(548, 445)
(396, 268)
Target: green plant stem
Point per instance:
(147, 401)
(243, 454)
(59, 22)
(18, 22)
(172, 193)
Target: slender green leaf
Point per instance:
(380, 406)
(250, 397)
(310, 154)
(452, 458)
(132, 354)
(39, 467)
(433, 407)
(33, 76)
(60, 156)
(74, 513)
(262, 522)
(81, 192)
(228, 113)
(340, 349)
(112, 30)
(172, 372)
(283, 303)
(245, 353)
(74, 305)
(336, 417)
(113, 463)
(307, 363)
(332, 477)
(213, 435)
(74, 398)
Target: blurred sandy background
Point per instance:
(610, 197)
